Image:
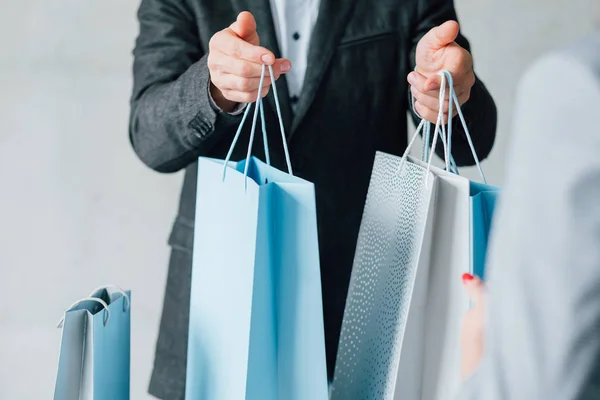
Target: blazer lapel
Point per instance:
(329, 28)
(261, 9)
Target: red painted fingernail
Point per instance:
(467, 277)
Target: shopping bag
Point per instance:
(419, 357)
(390, 243)
(459, 246)
(94, 360)
(256, 320)
(447, 302)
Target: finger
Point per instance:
(427, 113)
(238, 84)
(417, 81)
(244, 97)
(229, 43)
(442, 35)
(431, 86)
(432, 102)
(229, 65)
(245, 26)
(474, 287)
(428, 101)
(223, 63)
(459, 62)
(283, 65)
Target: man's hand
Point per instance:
(471, 339)
(437, 51)
(235, 62)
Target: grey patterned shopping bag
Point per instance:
(383, 280)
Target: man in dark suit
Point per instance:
(197, 62)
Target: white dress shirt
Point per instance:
(294, 22)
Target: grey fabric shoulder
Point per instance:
(587, 52)
(542, 340)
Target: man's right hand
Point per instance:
(235, 62)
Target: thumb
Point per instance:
(475, 288)
(443, 35)
(245, 26)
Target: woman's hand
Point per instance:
(472, 330)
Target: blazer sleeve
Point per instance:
(543, 305)
(480, 111)
(172, 117)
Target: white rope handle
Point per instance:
(452, 98)
(116, 289)
(264, 132)
(97, 300)
(422, 125)
(440, 128)
(258, 108)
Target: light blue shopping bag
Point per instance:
(482, 202)
(94, 361)
(256, 320)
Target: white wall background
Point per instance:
(77, 209)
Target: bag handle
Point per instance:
(440, 129)
(453, 101)
(97, 300)
(424, 124)
(259, 108)
(126, 304)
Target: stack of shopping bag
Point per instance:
(94, 356)
(422, 228)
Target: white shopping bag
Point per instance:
(438, 337)
(435, 325)
(401, 329)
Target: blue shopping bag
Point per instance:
(256, 320)
(482, 203)
(94, 360)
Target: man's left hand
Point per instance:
(438, 51)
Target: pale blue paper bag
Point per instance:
(256, 320)
(94, 360)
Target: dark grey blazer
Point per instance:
(354, 102)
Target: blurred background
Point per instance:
(78, 210)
